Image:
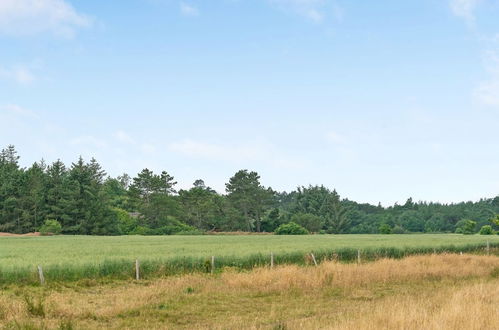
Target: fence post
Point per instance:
(488, 247)
(212, 264)
(40, 275)
(137, 269)
(271, 259)
(358, 256)
(313, 259)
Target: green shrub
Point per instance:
(126, 223)
(486, 230)
(175, 228)
(309, 221)
(398, 230)
(291, 228)
(467, 226)
(141, 230)
(385, 229)
(51, 227)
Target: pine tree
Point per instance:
(10, 194)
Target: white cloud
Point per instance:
(188, 10)
(259, 152)
(314, 10)
(122, 136)
(199, 149)
(148, 148)
(338, 12)
(88, 141)
(18, 111)
(335, 138)
(464, 9)
(20, 74)
(25, 17)
(487, 92)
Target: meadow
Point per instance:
(445, 291)
(69, 258)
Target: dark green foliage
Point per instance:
(85, 201)
(291, 228)
(248, 198)
(271, 220)
(126, 223)
(51, 227)
(202, 207)
(495, 220)
(486, 230)
(385, 229)
(466, 226)
(311, 222)
(398, 230)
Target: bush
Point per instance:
(291, 228)
(126, 223)
(309, 221)
(51, 227)
(174, 228)
(385, 229)
(398, 230)
(467, 226)
(141, 230)
(486, 230)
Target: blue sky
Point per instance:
(382, 100)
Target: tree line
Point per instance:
(84, 200)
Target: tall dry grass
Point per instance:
(331, 274)
(431, 292)
(473, 306)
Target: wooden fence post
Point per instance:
(488, 247)
(212, 264)
(137, 269)
(271, 259)
(313, 259)
(40, 275)
(358, 256)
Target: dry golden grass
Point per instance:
(430, 292)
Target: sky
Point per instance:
(380, 100)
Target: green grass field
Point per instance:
(76, 257)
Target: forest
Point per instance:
(83, 200)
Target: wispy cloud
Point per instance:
(125, 138)
(22, 75)
(200, 149)
(487, 92)
(88, 141)
(314, 10)
(188, 10)
(18, 111)
(464, 9)
(258, 152)
(25, 17)
(122, 136)
(335, 137)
